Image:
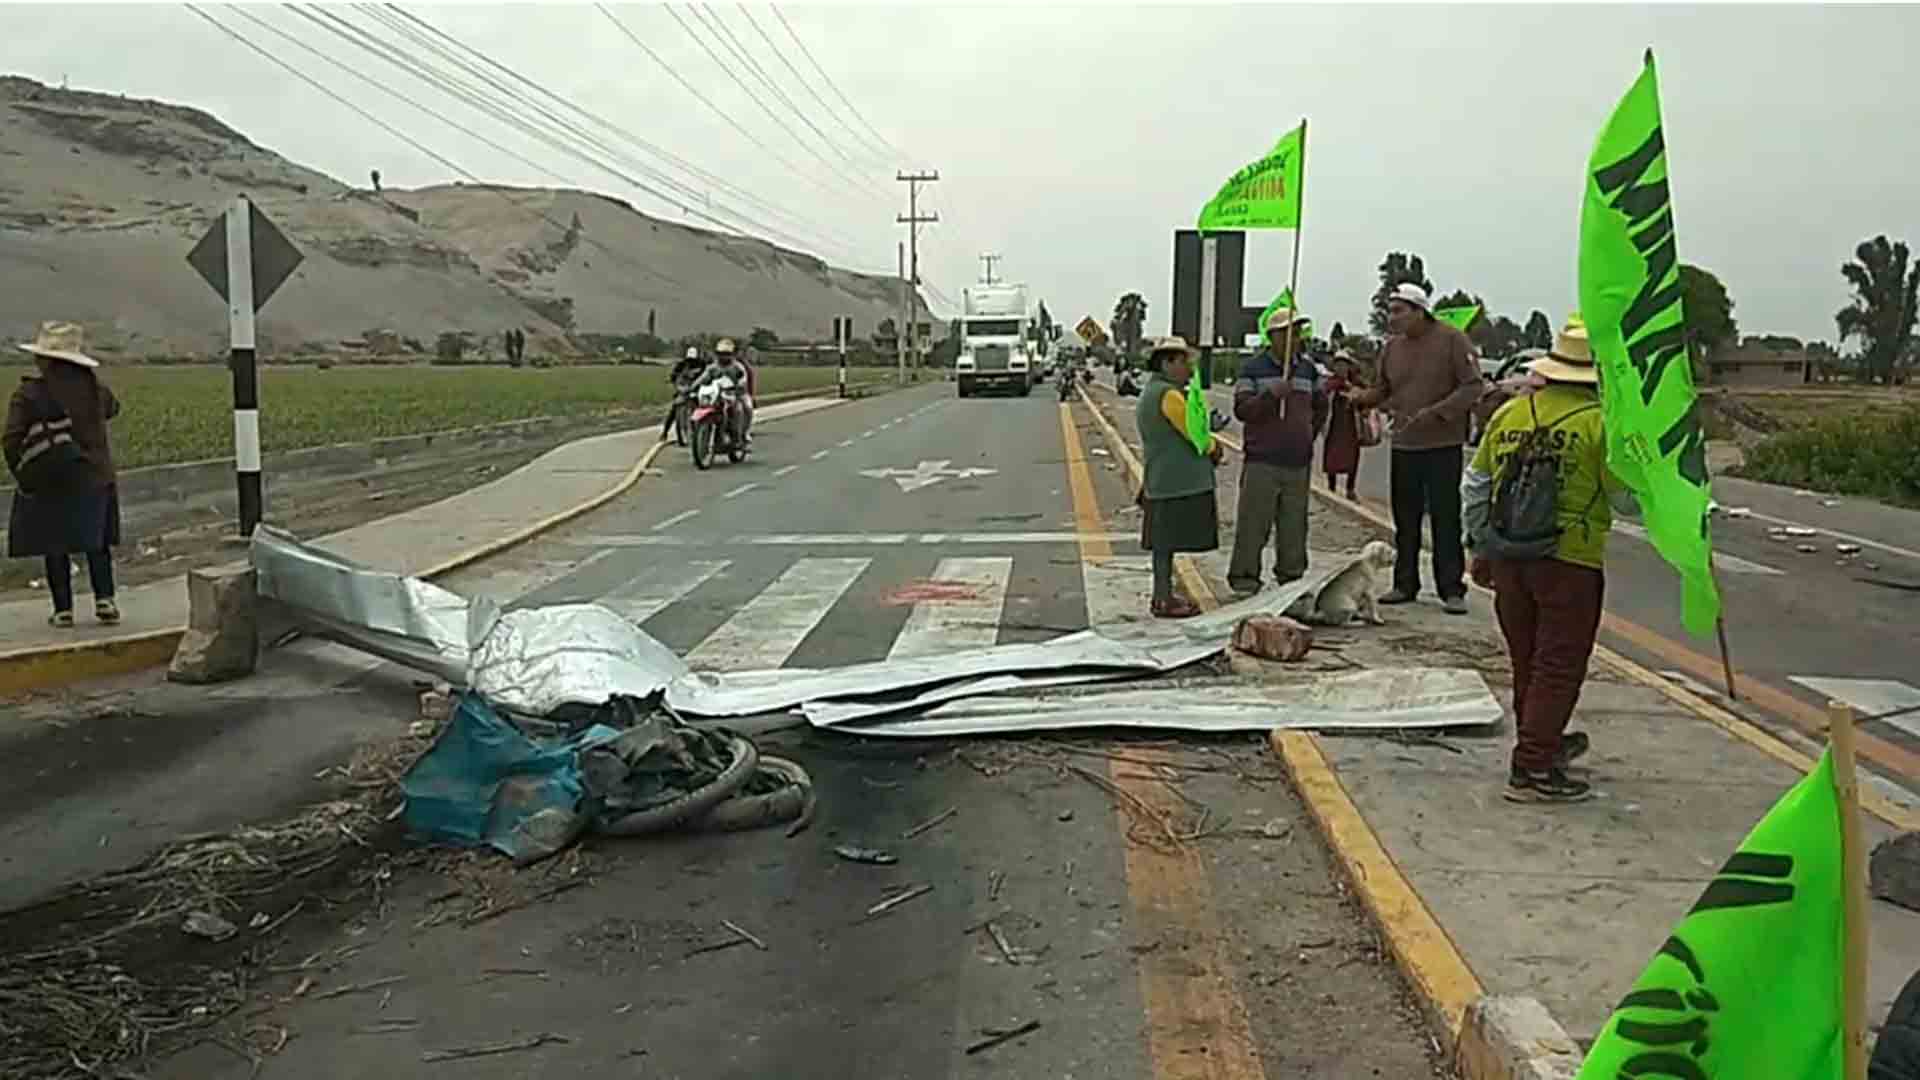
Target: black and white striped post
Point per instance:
(244, 361)
(842, 336)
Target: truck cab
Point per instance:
(996, 347)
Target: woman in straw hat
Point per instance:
(1549, 606)
(55, 443)
(1179, 512)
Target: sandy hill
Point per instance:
(101, 197)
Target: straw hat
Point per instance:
(1171, 345)
(1283, 317)
(61, 341)
(1408, 293)
(1570, 360)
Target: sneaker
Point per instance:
(1397, 596)
(1452, 605)
(1546, 786)
(1242, 589)
(61, 620)
(1573, 747)
(105, 610)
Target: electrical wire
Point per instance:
(859, 140)
(740, 50)
(835, 87)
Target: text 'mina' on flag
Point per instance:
(1751, 983)
(1264, 194)
(1630, 298)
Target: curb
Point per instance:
(23, 670)
(1489, 1037)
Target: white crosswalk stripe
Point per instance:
(964, 622)
(650, 594)
(1871, 697)
(764, 632)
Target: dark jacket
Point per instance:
(87, 402)
(1282, 411)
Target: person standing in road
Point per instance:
(1340, 456)
(1428, 385)
(1547, 575)
(1283, 407)
(65, 499)
(1179, 512)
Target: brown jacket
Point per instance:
(1433, 373)
(83, 397)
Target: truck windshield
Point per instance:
(993, 327)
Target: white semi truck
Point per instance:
(997, 351)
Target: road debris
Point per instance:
(754, 941)
(1014, 956)
(1847, 549)
(387, 1027)
(500, 973)
(359, 988)
(1064, 815)
(994, 1037)
(1739, 511)
(204, 924)
(895, 901)
(461, 1053)
(995, 879)
(1272, 638)
(870, 856)
(930, 823)
(1808, 549)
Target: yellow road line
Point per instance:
(1197, 1024)
(1432, 964)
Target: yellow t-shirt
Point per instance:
(1580, 448)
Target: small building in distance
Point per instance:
(1761, 361)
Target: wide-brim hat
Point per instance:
(61, 341)
(1161, 346)
(1282, 317)
(1570, 360)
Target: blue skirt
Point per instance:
(64, 524)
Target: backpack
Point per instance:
(50, 462)
(1524, 521)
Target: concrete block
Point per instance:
(1514, 1038)
(1271, 638)
(222, 640)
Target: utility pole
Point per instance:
(913, 219)
(988, 261)
(900, 337)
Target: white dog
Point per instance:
(1354, 593)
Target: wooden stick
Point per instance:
(1726, 662)
(1853, 878)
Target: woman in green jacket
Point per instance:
(1178, 510)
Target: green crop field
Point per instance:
(172, 414)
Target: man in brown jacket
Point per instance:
(1428, 385)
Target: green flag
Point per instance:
(1284, 300)
(1199, 417)
(1750, 984)
(1630, 298)
(1265, 194)
(1460, 318)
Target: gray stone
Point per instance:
(222, 640)
(1893, 871)
(1514, 1038)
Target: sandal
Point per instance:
(1177, 608)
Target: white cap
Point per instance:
(693, 352)
(1408, 292)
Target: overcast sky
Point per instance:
(1074, 140)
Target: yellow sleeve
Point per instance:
(1173, 406)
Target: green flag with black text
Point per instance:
(1750, 984)
(1264, 194)
(1630, 299)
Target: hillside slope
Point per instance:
(101, 197)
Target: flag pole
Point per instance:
(1293, 277)
(1853, 877)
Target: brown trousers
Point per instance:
(1549, 612)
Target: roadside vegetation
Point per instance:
(1875, 455)
(178, 413)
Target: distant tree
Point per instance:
(376, 181)
(1398, 268)
(1129, 322)
(1539, 332)
(1339, 334)
(762, 338)
(1824, 360)
(886, 333)
(1709, 314)
(1498, 336)
(1882, 312)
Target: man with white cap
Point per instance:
(1538, 502)
(1283, 406)
(1428, 385)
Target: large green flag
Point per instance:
(1199, 417)
(1265, 194)
(1630, 298)
(1750, 984)
(1460, 318)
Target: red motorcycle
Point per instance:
(717, 421)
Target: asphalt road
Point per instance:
(903, 523)
(1802, 627)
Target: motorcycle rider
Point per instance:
(728, 363)
(684, 368)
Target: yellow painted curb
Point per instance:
(42, 668)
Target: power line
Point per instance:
(416, 144)
(860, 141)
(740, 50)
(835, 87)
(741, 83)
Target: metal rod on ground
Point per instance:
(1293, 276)
(242, 358)
(1853, 877)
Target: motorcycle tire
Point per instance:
(703, 446)
(680, 426)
